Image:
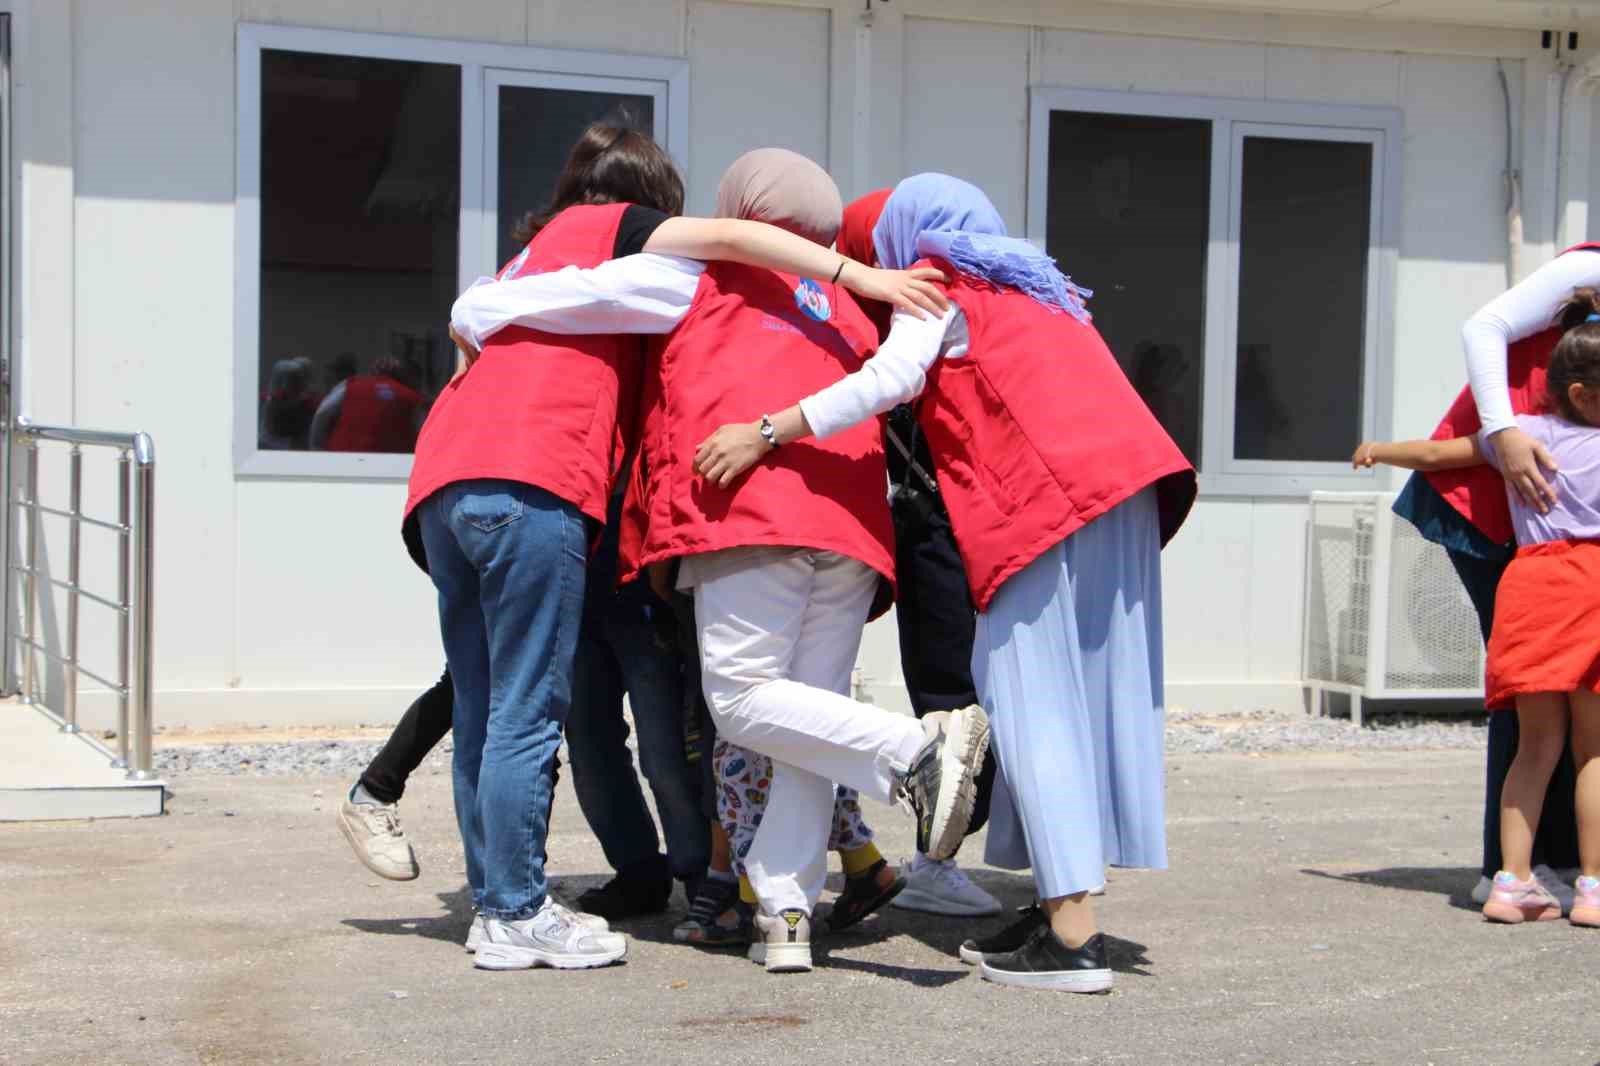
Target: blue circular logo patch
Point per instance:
(809, 297)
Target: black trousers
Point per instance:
(1556, 841)
(937, 622)
(421, 728)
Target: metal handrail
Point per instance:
(135, 529)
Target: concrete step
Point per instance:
(47, 774)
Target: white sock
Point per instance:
(359, 794)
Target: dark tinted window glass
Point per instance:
(1129, 217)
(1304, 235)
(537, 129)
(360, 209)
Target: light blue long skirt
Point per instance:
(1068, 665)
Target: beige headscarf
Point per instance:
(785, 189)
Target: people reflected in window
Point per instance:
(379, 411)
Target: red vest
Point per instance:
(756, 341)
(1478, 493)
(378, 414)
(539, 408)
(1036, 432)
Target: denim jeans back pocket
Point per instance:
(488, 511)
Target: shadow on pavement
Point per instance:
(451, 925)
(1452, 882)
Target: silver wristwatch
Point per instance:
(768, 433)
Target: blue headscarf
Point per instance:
(937, 215)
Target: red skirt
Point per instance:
(1546, 635)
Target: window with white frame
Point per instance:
(1240, 254)
(376, 177)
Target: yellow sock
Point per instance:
(859, 860)
(746, 893)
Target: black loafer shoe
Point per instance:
(1006, 940)
(1045, 962)
(641, 889)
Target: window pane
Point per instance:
(360, 209)
(1129, 217)
(1304, 234)
(538, 127)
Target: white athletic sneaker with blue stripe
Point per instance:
(553, 937)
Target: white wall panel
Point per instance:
(1151, 64)
(1333, 76)
(653, 27)
(154, 294)
(488, 20)
(966, 107)
(1205, 582)
(1453, 229)
(1277, 580)
(758, 78)
(328, 596)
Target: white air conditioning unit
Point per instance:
(1386, 616)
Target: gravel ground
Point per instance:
(1188, 733)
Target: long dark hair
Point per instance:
(1576, 359)
(611, 164)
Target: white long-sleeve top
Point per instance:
(649, 293)
(1526, 308)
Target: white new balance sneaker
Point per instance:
(552, 937)
(942, 888)
(476, 932)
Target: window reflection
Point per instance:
(360, 210)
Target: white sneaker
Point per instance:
(549, 938)
(1481, 890)
(935, 887)
(374, 833)
(782, 941)
(475, 933)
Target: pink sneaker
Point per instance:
(1586, 902)
(1513, 902)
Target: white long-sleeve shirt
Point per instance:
(1526, 308)
(651, 293)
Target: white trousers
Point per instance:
(779, 631)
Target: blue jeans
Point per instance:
(508, 560)
(621, 649)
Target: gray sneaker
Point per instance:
(552, 937)
(941, 786)
(374, 833)
(783, 941)
(1558, 883)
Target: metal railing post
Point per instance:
(143, 589)
(134, 605)
(69, 697)
(124, 606)
(30, 589)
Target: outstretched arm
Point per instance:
(1421, 454)
(737, 240)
